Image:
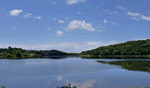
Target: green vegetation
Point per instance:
(17, 53)
(140, 48)
(132, 65)
(23, 53)
(129, 49)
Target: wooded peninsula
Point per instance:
(139, 48)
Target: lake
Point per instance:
(83, 73)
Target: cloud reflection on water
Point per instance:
(87, 84)
(59, 78)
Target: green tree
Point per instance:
(9, 47)
(18, 54)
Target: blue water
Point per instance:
(83, 73)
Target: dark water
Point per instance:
(83, 73)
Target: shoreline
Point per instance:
(116, 56)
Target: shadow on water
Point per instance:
(131, 65)
(57, 57)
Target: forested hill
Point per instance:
(19, 52)
(139, 47)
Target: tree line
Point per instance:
(139, 47)
(21, 53)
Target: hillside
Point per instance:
(139, 47)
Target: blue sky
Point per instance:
(72, 25)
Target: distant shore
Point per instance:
(117, 56)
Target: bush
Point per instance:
(8, 55)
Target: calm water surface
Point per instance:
(83, 73)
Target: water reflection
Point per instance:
(59, 78)
(132, 65)
(34, 62)
(83, 73)
(86, 84)
(39, 67)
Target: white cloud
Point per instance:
(99, 30)
(99, 14)
(37, 17)
(103, 4)
(27, 15)
(54, 3)
(145, 18)
(113, 23)
(62, 27)
(133, 14)
(80, 25)
(48, 28)
(134, 18)
(15, 12)
(121, 7)
(106, 10)
(69, 2)
(59, 78)
(61, 21)
(79, 13)
(54, 19)
(98, 27)
(67, 18)
(143, 39)
(92, 43)
(111, 13)
(63, 46)
(114, 12)
(59, 33)
(139, 18)
(105, 21)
